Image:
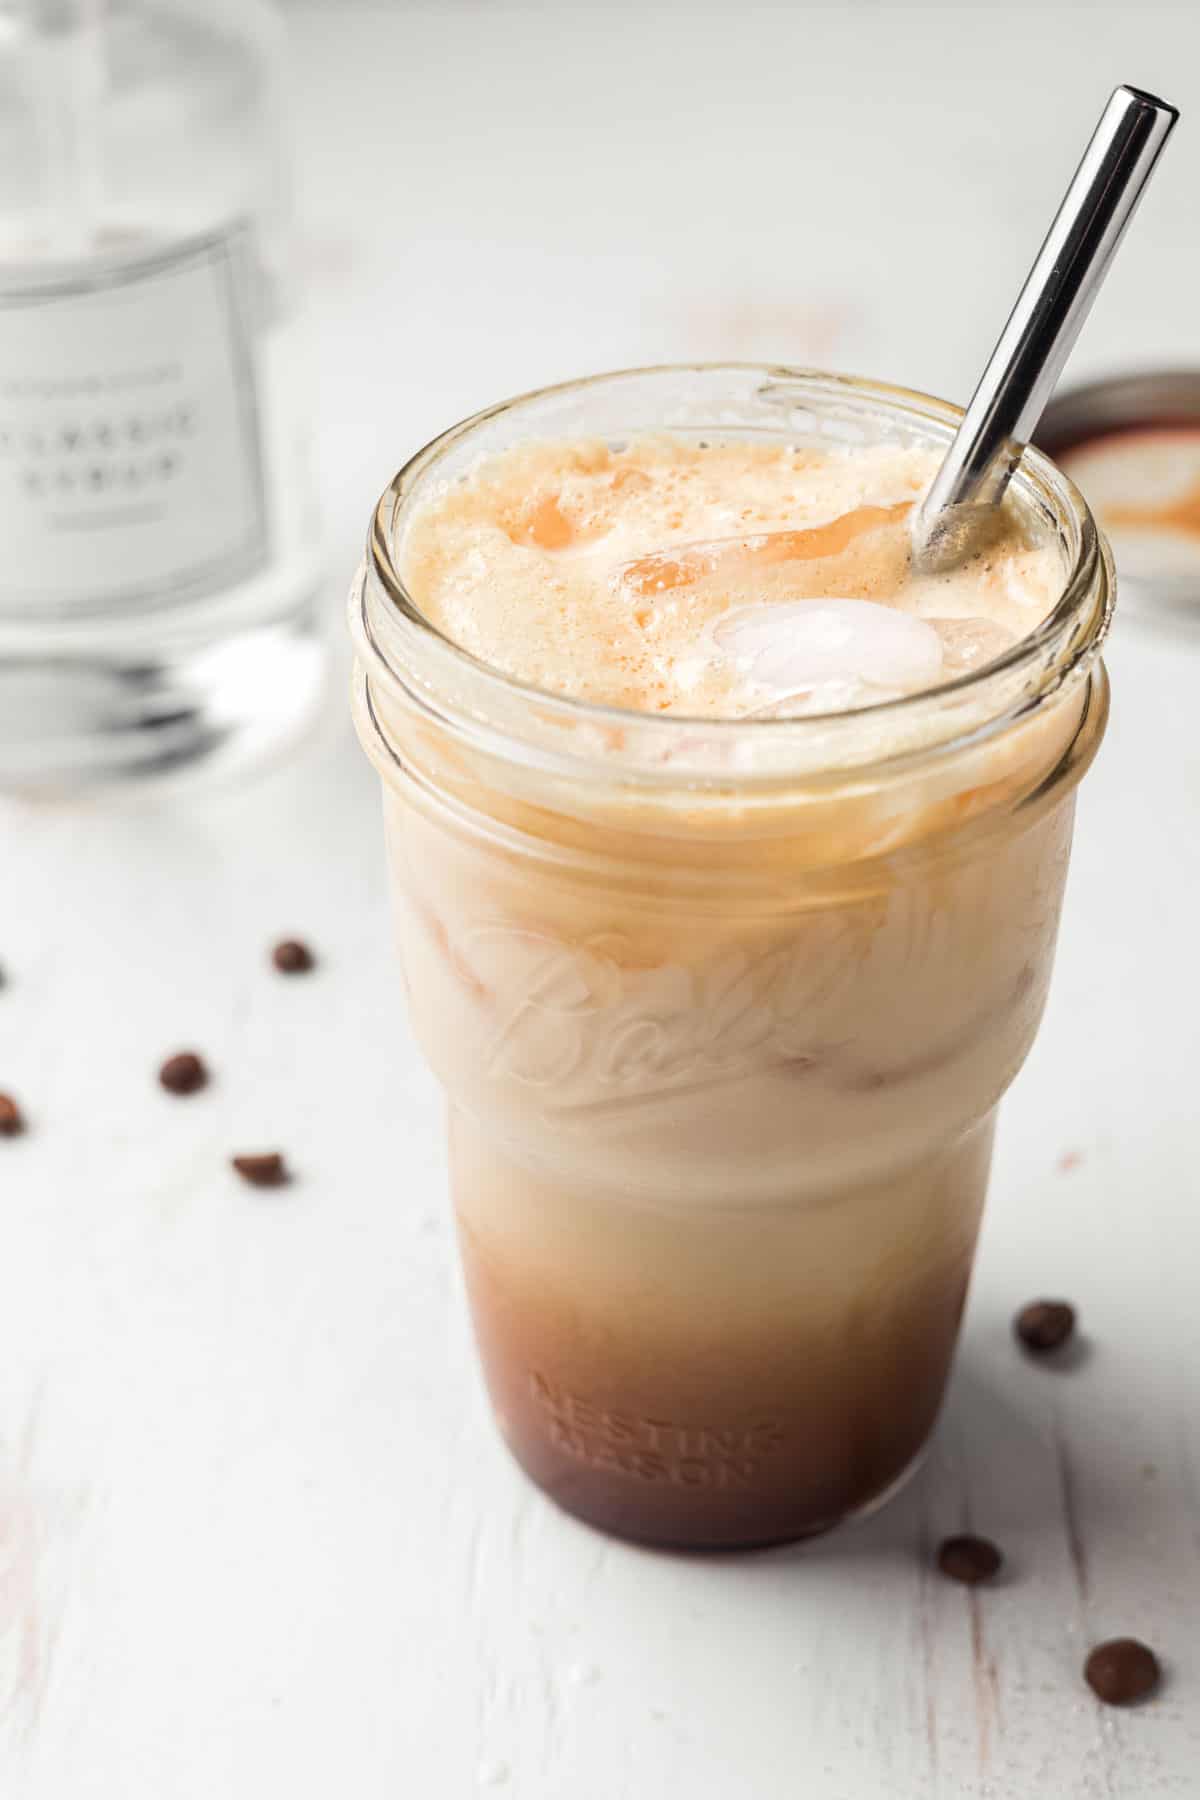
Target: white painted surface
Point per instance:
(256, 1537)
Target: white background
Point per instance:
(256, 1536)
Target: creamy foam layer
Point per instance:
(732, 579)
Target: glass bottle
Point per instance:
(159, 581)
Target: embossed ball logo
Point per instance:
(587, 1016)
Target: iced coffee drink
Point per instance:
(728, 857)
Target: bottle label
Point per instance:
(131, 462)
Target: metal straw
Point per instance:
(1042, 326)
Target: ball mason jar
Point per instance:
(724, 1009)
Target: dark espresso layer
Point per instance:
(711, 1426)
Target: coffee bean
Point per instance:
(12, 1119)
(291, 957)
(1044, 1324)
(1122, 1671)
(969, 1559)
(264, 1170)
(184, 1073)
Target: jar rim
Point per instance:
(403, 651)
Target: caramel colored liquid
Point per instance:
(1181, 513)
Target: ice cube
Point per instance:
(971, 643)
(825, 697)
(795, 645)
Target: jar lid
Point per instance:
(1131, 444)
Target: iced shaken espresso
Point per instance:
(728, 856)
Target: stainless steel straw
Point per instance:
(1042, 327)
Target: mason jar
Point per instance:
(723, 1008)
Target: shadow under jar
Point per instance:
(724, 1009)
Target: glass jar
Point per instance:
(158, 598)
(724, 1008)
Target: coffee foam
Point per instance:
(724, 580)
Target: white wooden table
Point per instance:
(256, 1536)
